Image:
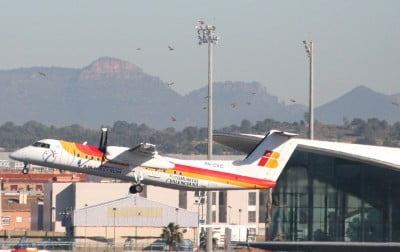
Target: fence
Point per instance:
(89, 247)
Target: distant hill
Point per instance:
(105, 91)
(110, 89)
(361, 102)
(235, 101)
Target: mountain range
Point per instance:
(111, 89)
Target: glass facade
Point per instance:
(323, 198)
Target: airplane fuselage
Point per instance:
(178, 174)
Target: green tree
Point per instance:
(172, 235)
(246, 126)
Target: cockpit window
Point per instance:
(41, 145)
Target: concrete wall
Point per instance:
(89, 194)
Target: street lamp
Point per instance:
(85, 222)
(176, 215)
(229, 216)
(197, 202)
(240, 216)
(310, 53)
(206, 35)
(114, 210)
(240, 221)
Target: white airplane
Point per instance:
(142, 165)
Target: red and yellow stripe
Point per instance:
(222, 177)
(81, 150)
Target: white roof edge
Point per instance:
(378, 155)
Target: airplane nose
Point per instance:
(16, 155)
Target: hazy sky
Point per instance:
(356, 42)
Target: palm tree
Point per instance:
(172, 235)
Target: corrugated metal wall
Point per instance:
(133, 211)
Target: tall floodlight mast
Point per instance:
(206, 35)
(310, 53)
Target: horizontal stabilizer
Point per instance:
(240, 142)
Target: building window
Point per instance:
(199, 193)
(214, 216)
(18, 219)
(39, 188)
(14, 187)
(252, 198)
(182, 199)
(222, 205)
(252, 216)
(5, 221)
(214, 198)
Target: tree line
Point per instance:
(193, 140)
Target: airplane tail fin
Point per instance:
(271, 154)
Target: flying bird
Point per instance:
(42, 74)
(170, 83)
(201, 22)
(204, 107)
(248, 103)
(233, 105)
(206, 97)
(292, 100)
(170, 48)
(173, 119)
(138, 49)
(253, 93)
(395, 103)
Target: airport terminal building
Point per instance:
(324, 198)
(332, 192)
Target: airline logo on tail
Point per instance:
(269, 159)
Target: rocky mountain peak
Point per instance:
(107, 67)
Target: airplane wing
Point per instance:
(144, 155)
(144, 149)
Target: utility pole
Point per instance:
(1, 206)
(206, 35)
(114, 209)
(310, 53)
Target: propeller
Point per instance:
(103, 142)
